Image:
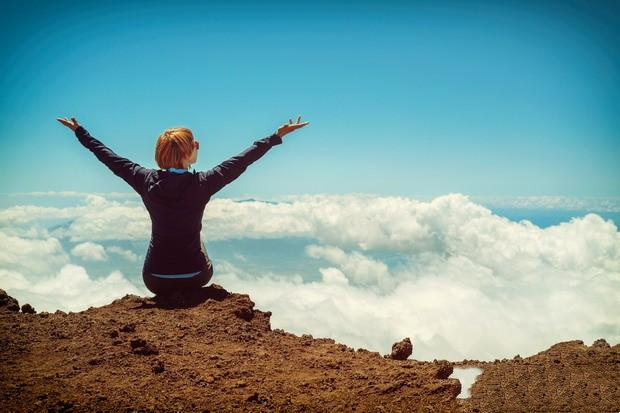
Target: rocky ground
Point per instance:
(567, 377)
(213, 351)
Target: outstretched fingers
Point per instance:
(290, 126)
(290, 120)
(299, 125)
(64, 121)
(73, 123)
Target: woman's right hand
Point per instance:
(71, 124)
(290, 127)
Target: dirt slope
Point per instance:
(568, 377)
(216, 354)
(213, 351)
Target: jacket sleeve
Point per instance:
(131, 172)
(213, 180)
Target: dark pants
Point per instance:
(164, 286)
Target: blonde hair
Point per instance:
(172, 146)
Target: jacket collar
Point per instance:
(177, 170)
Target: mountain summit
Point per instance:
(213, 351)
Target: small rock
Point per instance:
(402, 349)
(453, 388)
(158, 366)
(146, 350)
(391, 387)
(444, 371)
(128, 328)
(95, 361)
(62, 406)
(253, 397)
(28, 309)
(137, 342)
(8, 302)
(244, 307)
(306, 339)
(601, 343)
(140, 346)
(244, 313)
(132, 298)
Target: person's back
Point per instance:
(175, 199)
(176, 203)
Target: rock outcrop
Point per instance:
(209, 351)
(213, 351)
(402, 349)
(568, 377)
(7, 302)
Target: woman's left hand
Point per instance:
(290, 127)
(72, 124)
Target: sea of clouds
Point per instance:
(468, 283)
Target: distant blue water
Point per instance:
(542, 217)
(547, 217)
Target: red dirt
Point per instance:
(212, 351)
(568, 377)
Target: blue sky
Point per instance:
(427, 98)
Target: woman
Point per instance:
(175, 199)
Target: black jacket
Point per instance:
(176, 201)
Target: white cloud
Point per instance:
(33, 231)
(12, 279)
(468, 284)
(467, 377)
(24, 214)
(333, 275)
(127, 254)
(31, 255)
(71, 289)
(473, 284)
(109, 220)
(73, 194)
(356, 267)
(98, 220)
(90, 251)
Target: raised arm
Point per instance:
(131, 172)
(217, 178)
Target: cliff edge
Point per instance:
(213, 351)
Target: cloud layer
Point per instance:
(467, 283)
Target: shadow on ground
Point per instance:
(185, 299)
